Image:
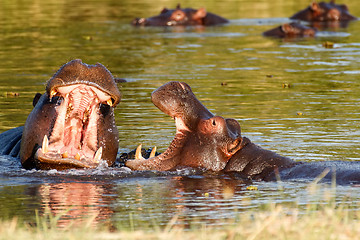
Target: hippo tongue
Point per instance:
(77, 120)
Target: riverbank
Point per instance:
(320, 221)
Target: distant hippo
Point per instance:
(291, 30)
(322, 12)
(181, 17)
(72, 124)
(215, 143)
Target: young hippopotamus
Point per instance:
(291, 30)
(181, 17)
(215, 143)
(322, 12)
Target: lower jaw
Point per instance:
(44, 162)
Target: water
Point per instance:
(232, 69)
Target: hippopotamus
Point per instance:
(214, 143)
(322, 12)
(181, 17)
(291, 30)
(72, 124)
(204, 140)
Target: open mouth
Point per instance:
(178, 141)
(73, 139)
(201, 140)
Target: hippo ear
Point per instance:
(178, 6)
(286, 28)
(314, 6)
(200, 13)
(164, 10)
(36, 99)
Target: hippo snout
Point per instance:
(139, 22)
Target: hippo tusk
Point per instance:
(138, 155)
(45, 145)
(109, 102)
(153, 151)
(53, 93)
(98, 155)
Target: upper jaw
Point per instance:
(177, 100)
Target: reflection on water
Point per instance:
(84, 201)
(295, 97)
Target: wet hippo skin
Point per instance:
(181, 17)
(291, 30)
(321, 12)
(72, 124)
(204, 140)
(214, 143)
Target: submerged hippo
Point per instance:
(181, 17)
(322, 12)
(214, 143)
(72, 124)
(291, 30)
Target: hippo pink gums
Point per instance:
(72, 124)
(181, 17)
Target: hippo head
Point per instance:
(72, 124)
(321, 12)
(291, 30)
(202, 139)
(174, 17)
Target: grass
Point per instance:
(318, 221)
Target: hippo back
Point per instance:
(10, 142)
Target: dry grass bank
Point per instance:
(276, 222)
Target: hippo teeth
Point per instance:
(53, 93)
(98, 155)
(138, 155)
(77, 156)
(45, 145)
(153, 151)
(109, 102)
(65, 154)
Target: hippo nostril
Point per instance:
(213, 122)
(139, 21)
